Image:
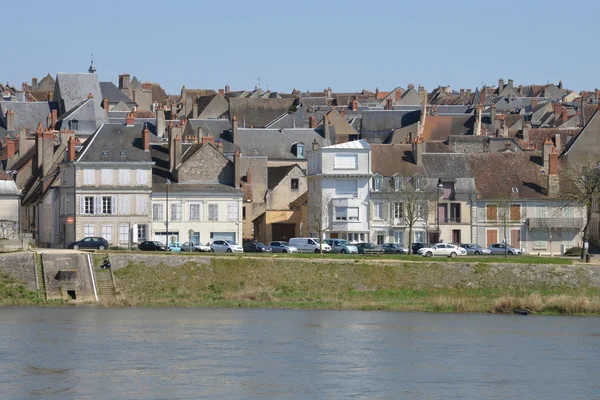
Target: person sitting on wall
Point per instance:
(105, 264)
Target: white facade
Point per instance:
(10, 205)
(338, 189)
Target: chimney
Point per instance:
(478, 112)
(500, 85)
(398, 95)
(312, 122)
(34, 84)
(468, 94)
(560, 84)
(482, 96)
(234, 130)
(520, 90)
(237, 176)
(54, 118)
(222, 92)
(194, 110)
(124, 82)
(248, 177)
(557, 110)
(388, 104)
(326, 128)
(71, 149)
(49, 121)
(10, 120)
(47, 151)
(565, 115)
(493, 115)
(227, 89)
(510, 84)
(553, 180)
(105, 105)
(207, 139)
(200, 133)
(22, 141)
(177, 152)
(354, 105)
(423, 99)
(343, 113)
(507, 145)
(39, 148)
(557, 142)
(160, 121)
(24, 87)
(504, 129)
(417, 150)
(376, 92)
(546, 149)
(315, 144)
(146, 138)
(130, 120)
(526, 128)
(220, 146)
(134, 112)
(10, 148)
(90, 96)
(50, 95)
(133, 95)
(534, 103)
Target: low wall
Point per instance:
(20, 266)
(75, 276)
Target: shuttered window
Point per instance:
(157, 212)
(107, 176)
(141, 177)
(141, 205)
(515, 212)
(213, 212)
(346, 186)
(124, 177)
(492, 212)
(88, 177)
(233, 213)
(176, 212)
(346, 161)
(194, 212)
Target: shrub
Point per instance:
(573, 252)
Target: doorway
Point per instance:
(456, 236)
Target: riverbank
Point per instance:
(226, 282)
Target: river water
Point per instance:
(95, 353)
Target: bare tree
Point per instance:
(320, 218)
(7, 229)
(504, 220)
(580, 185)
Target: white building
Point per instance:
(338, 190)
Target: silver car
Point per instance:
(341, 246)
(499, 249)
(226, 246)
(282, 247)
(475, 249)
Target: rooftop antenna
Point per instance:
(258, 79)
(92, 69)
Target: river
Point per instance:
(96, 353)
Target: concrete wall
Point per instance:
(81, 283)
(280, 197)
(20, 266)
(207, 165)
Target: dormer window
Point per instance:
(397, 183)
(300, 150)
(123, 153)
(377, 183)
(74, 125)
(105, 154)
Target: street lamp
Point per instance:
(167, 183)
(437, 209)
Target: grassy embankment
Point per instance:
(359, 285)
(13, 293)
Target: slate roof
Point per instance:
(277, 144)
(115, 138)
(73, 89)
(388, 120)
(390, 159)
(437, 147)
(46, 84)
(440, 127)
(257, 113)
(111, 92)
(27, 114)
(158, 93)
(446, 165)
(276, 174)
(538, 136)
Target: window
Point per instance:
(213, 212)
(353, 214)
(74, 125)
(540, 239)
(88, 230)
(515, 212)
(88, 205)
(346, 186)
(397, 183)
(356, 237)
(125, 205)
(399, 237)
(195, 212)
(540, 211)
(176, 212)
(346, 161)
(124, 176)
(141, 203)
(141, 233)
(491, 212)
(157, 212)
(380, 239)
(244, 212)
(233, 213)
(568, 211)
(419, 237)
(377, 184)
(124, 234)
(107, 177)
(107, 233)
(399, 210)
(295, 183)
(448, 188)
(141, 177)
(300, 150)
(377, 210)
(346, 214)
(88, 177)
(107, 205)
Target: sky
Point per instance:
(307, 45)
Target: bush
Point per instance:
(573, 252)
(117, 248)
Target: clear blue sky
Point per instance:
(306, 44)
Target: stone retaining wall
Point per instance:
(20, 266)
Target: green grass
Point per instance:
(13, 292)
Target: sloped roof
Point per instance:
(440, 127)
(113, 94)
(276, 174)
(257, 113)
(388, 120)
(355, 144)
(390, 159)
(446, 165)
(27, 114)
(276, 144)
(73, 89)
(116, 138)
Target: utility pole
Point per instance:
(167, 182)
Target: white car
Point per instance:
(190, 246)
(442, 249)
(226, 246)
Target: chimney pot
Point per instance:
(315, 144)
(71, 149)
(534, 103)
(130, 120)
(10, 148)
(248, 177)
(146, 138)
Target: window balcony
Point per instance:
(555, 223)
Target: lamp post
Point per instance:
(167, 183)
(437, 209)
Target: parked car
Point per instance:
(417, 246)
(443, 249)
(190, 246)
(394, 248)
(226, 246)
(152, 245)
(175, 247)
(309, 245)
(282, 247)
(369, 247)
(341, 246)
(256, 247)
(89, 243)
(498, 249)
(475, 249)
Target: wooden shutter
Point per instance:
(81, 205)
(135, 233)
(492, 237)
(113, 206)
(515, 212)
(492, 212)
(97, 205)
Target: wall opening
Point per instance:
(72, 295)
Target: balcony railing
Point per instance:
(548, 223)
(450, 220)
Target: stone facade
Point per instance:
(20, 266)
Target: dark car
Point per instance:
(369, 247)
(89, 243)
(152, 245)
(417, 246)
(256, 247)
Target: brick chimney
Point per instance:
(343, 113)
(130, 120)
(160, 121)
(389, 104)
(417, 150)
(71, 149)
(557, 110)
(134, 112)
(248, 177)
(10, 120)
(553, 179)
(312, 122)
(47, 150)
(105, 105)
(234, 130)
(525, 130)
(24, 87)
(34, 84)
(482, 96)
(124, 82)
(500, 85)
(54, 118)
(22, 141)
(194, 110)
(565, 115)
(50, 95)
(222, 92)
(220, 146)
(237, 167)
(207, 139)
(66, 135)
(354, 105)
(227, 89)
(546, 149)
(146, 138)
(10, 148)
(560, 84)
(534, 103)
(315, 144)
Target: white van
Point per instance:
(308, 245)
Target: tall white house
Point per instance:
(338, 191)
